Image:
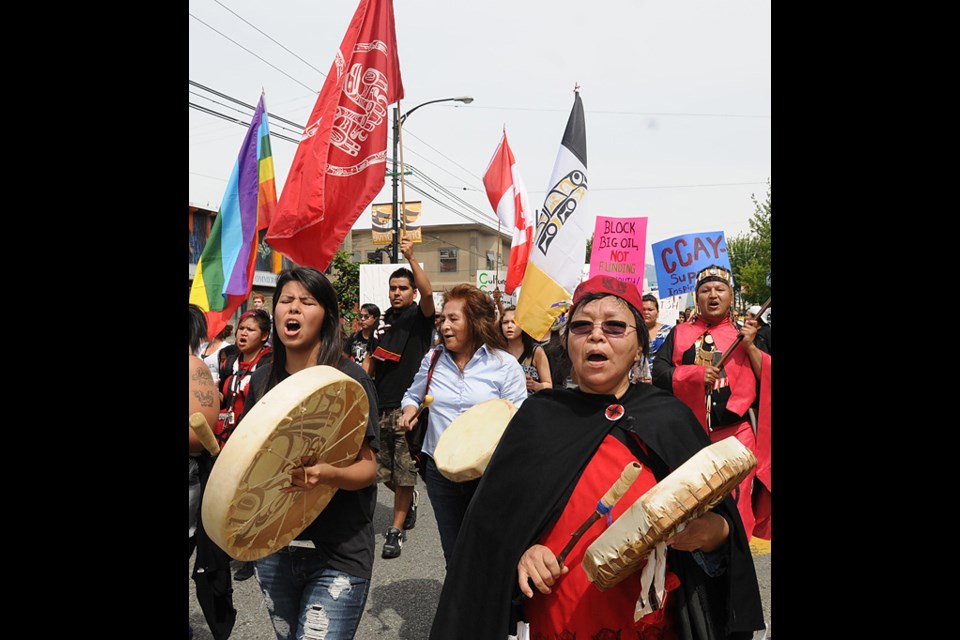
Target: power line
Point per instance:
(433, 183)
(436, 185)
(246, 125)
(629, 113)
(420, 173)
(441, 188)
(203, 175)
(675, 186)
(450, 194)
(244, 104)
(407, 149)
(257, 29)
(450, 159)
(253, 54)
(419, 190)
(226, 106)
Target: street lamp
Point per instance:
(397, 123)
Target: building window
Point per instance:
(491, 260)
(373, 257)
(448, 260)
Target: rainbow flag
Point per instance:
(224, 275)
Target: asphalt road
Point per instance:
(404, 591)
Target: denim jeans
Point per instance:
(450, 501)
(306, 599)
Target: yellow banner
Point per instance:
(382, 222)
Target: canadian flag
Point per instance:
(508, 197)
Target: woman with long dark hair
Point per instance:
(322, 578)
(251, 351)
(236, 364)
(528, 352)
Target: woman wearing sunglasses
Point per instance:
(364, 341)
(561, 452)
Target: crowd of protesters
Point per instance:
(611, 351)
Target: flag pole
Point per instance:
(496, 281)
(496, 278)
(403, 183)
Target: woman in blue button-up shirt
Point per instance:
(473, 367)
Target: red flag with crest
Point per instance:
(508, 197)
(340, 164)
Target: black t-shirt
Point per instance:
(357, 347)
(343, 531)
(763, 339)
(394, 378)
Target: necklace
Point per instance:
(239, 374)
(205, 351)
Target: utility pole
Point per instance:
(395, 250)
(397, 123)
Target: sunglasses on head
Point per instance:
(609, 327)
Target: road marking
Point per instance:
(759, 547)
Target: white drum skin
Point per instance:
(465, 447)
(690, 490)
(317, 412)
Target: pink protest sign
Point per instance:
(619, 248)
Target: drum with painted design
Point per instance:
(319, 413)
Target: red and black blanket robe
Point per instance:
(523, 491)
(235, 382)
(575, 608)
(731, 399)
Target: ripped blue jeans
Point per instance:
(306, 599)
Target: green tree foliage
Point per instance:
(586, 260)
(750, 256)
(346, 282)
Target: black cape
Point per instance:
(529, 479)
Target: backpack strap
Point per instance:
(433, 363)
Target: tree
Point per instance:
(346, 284)
(750, 256)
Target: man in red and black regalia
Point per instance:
(732, 401)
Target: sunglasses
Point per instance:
(609, 327)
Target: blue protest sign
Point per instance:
(678, 260)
